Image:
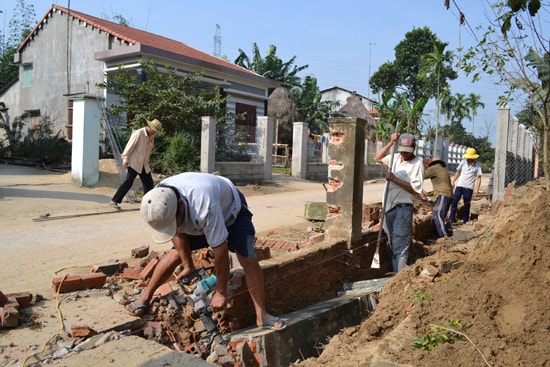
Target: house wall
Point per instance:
(47, 52)
(341, 96)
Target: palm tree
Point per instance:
(433, 63)
(473, 102)
(271, 67)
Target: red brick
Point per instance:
(148, 270)
(93, 280)
(130, 273)
(263, 253)
(23, 298)
(164, 290)
(69, 284)
(78, 331)
(110, 269)
(140, 251)
(9, 317)
(3, 299)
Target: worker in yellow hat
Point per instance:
(466, 182)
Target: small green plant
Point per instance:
(419, 297)
(440, 334)
(488, 236)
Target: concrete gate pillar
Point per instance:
(299, 150)
(346, 150)
(208, 144)
(85, 147)
(264, 140)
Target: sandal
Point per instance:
(272, 322)
(134, 309)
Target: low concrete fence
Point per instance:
(241, 173)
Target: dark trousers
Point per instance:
(441, 207)
(466, 195)
(146, 180)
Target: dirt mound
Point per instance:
(496, 294)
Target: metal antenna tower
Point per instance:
(217, 41)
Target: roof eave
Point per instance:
(143, 51)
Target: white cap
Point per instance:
(158, 210)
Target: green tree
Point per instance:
(271, 66)
(473, 102)
(404, 73)
(514, 50)
(310, 107)
(175, 100)
(432, 65)
(20, 25)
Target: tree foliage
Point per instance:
(515, 50)
(271, 66)
(20, 25)
(176, 100)
(405, 73)
(310, 107)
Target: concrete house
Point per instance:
(341, 95)
(68, 53)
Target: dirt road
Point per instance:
(50, 224)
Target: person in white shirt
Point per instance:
(198, 210)
(135, 158)
(466, 182)
(405, 180)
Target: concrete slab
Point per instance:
(130, 351)
(306, 328)
(462, 234)
(97, 310)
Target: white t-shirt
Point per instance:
(212, 203)
(409, 171)
(468, 174)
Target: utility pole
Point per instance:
(368, 81)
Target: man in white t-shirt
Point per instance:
(198, 210)
(466, 182)
(405, 180)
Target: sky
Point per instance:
(342, 42)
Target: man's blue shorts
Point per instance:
(242, 235)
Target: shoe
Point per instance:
(270, 324)
(134, 309)
(114, 205)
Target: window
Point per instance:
(247, 124)
(27, 75)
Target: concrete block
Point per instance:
(462, 234)
(322, 321)
(316, 210)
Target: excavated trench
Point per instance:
(303, 281)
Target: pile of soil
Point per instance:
(496, 294)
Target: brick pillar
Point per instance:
(346, 150)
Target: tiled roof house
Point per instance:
(68, 52)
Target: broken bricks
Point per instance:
(9, 308)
